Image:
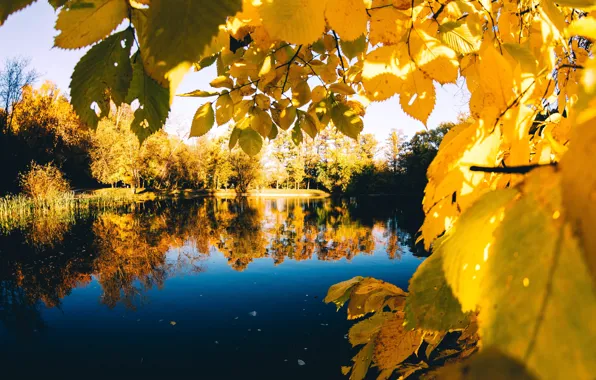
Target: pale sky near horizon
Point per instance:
(30, 33)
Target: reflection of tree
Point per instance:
(243, 239)
(128, 264)
(132, 252)
(17, 311)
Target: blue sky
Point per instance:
(30, 33)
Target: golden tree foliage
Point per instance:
(529, 272)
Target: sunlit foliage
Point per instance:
(523, 263)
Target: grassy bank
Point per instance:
(20, 205)
(148, 195)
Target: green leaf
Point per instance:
(198, 19)
(465, 259)
(273, 134)
(524, 56)
(297, 136)
(537, 299)
(489, 364)
(346, 120)
(234, 138)
(199, 94)
(352, 49)
(431, 304)
(153, 100)
(8, 7)
(57, 3)
(458, 37)
(250, 141)
(104, 72)
(206, 62)
(342, 88)
(309, 125)
(82, 23)
(203, 120)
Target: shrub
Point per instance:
(44, 183)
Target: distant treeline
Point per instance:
(38, 126)
(42, 128)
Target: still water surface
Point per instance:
(226, 288)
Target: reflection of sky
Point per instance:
(214, 332)
(30, 34)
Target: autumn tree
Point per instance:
(45, 129)
(115, 151)
(246, 171)
(393, 148)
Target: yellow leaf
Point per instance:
(417, 97)
(300, 94)
(585, 27)
(318, 93)
(287, 117)
(263, 102)
(224, 109)
(347, 17)
(267, 73)
(459, 37)
(203, 121)
(395, 343)
(464, 146)
(362, 361)
(467, 248)
(222, 81)
(294, 21)
(537, 265)
(363, 331)
(434, 58)
(338, 290)
(241, 109)
(384, 71)
(582, 4)
(81, 26)
(388, 26)
(579, 188)
(342, 88)
(257, 120)
(495, 79)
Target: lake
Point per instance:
(227, 288)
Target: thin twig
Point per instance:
(523, 169)
(341, 59)
(289, 63)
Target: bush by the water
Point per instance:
(44, 183)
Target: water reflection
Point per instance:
(132, 252)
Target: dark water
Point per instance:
(176, 286)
